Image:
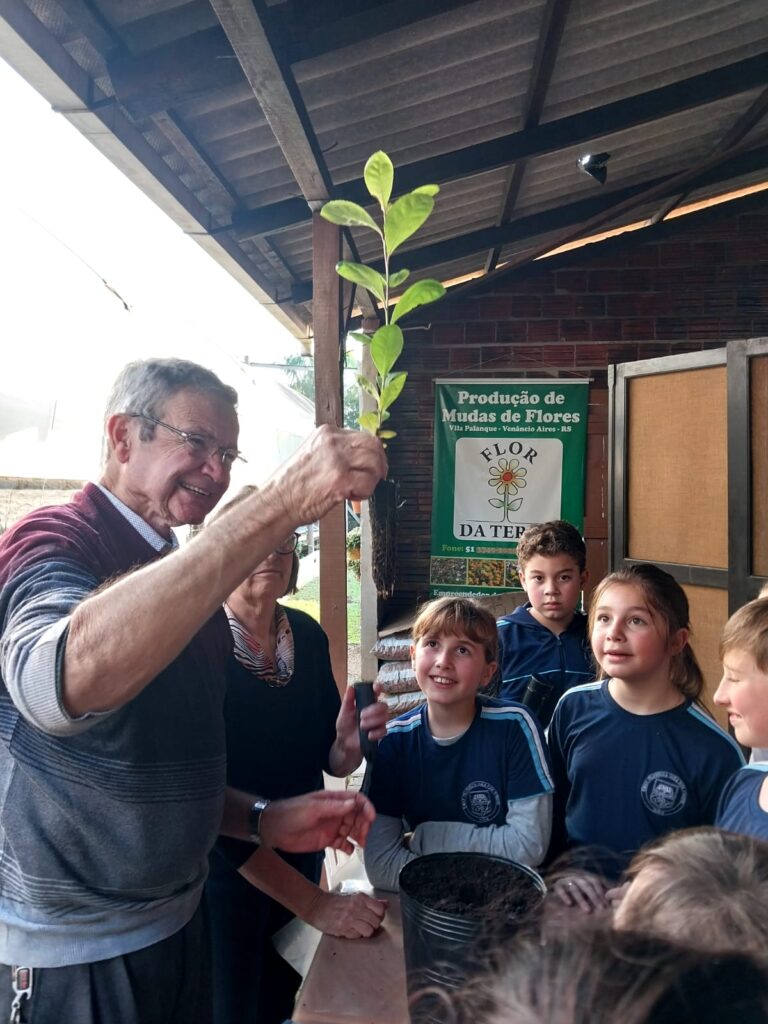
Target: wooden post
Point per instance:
(327, 320)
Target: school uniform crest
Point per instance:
(664, 793)
(480, 802)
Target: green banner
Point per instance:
(508, 453)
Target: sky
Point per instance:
(70, 222)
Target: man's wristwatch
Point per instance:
(254, 819)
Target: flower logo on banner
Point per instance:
(507, 477)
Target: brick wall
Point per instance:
(688, 284)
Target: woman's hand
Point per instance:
(616, 895)
(354, 916)
(345, 754)
(585, 891)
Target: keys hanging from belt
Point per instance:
(21, 981)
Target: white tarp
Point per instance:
(65, 336)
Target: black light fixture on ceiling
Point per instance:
(594, 165)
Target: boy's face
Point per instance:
(743, 692)
(450, 668)
(553, 584)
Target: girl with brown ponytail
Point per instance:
(635, 754)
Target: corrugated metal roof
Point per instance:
(461, 90)
(614, 50)
(666, 146)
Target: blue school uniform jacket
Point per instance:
(526, 648)
(622, 779)
(739, 809)
(501, 757)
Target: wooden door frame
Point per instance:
(618, 387)
(737, 579)
(743, 584)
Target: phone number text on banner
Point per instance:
(508, 453)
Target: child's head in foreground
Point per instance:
(702, 887)
(460, 632)
(590, 974)
(551, 560)
(743, 689)
(643, 597)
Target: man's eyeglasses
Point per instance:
(288, 546)
(200, 445)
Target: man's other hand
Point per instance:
(335, 818)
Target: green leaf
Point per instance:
(368, 386)
(495, 502)
(404, 217)
(383, 415)
(427, 190)
(358, 273)
(341, 211)
(392, 389)
(418, 294)
(395, 280)
(364, 339)
(515, 505)
(369, 421)
(379, 175)
(386, 346)
(385, 435)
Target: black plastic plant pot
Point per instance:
(365, 696)
(455, 906)
(541, 697)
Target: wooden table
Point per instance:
(357, 981)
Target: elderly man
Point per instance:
(112, 759)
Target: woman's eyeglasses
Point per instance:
(288, 546)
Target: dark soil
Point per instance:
(481, 902)
(382, 507)
(473, 886)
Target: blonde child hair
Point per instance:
(747, 630)
(667, 599)
(709, 891)
(588, 974)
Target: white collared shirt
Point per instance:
(149, 533)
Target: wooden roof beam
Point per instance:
(185, 69)
(738, 131)
(33, 52)
(275, 89)
(277, 95)
(753, 202)
(699, 90)
(547, 48)
(310, 31)
(90, 25)
(686, 179)
(576, 214)
(169, 75)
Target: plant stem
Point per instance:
(386, 306)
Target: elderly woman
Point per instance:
(285, 726)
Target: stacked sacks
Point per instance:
(400, 691)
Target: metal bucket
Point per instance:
(443, 949)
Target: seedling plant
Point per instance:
(400, 219)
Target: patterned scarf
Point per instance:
(252, 656)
